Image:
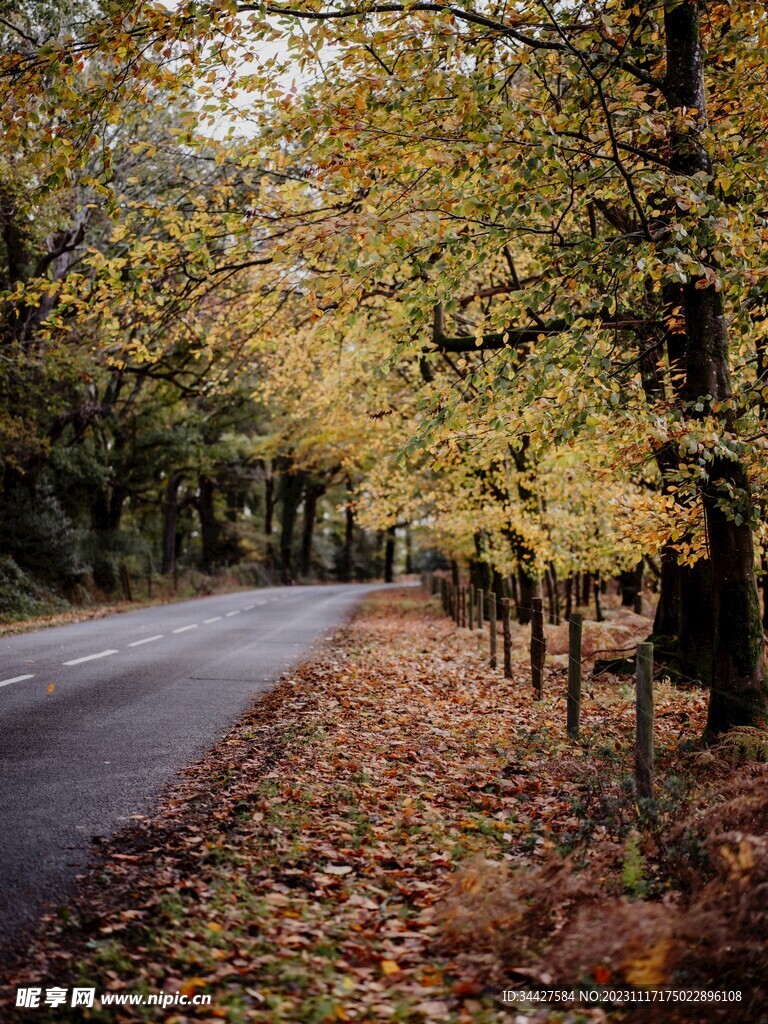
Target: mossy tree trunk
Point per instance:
(739, 693)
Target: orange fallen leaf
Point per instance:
(389, 967)
(189, 987)
(602, 975)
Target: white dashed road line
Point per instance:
(16, 679)
(135, 643)
(89, 657)
(147, 640)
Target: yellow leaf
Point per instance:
(389, 967)
(649, 968)
(51, 687)
(741, 863)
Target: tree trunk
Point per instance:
(739, 694)
(497, 586)
(235, 503)
(408, 550)
(312, 495)
(210, 530)
(291, 489)
(345, 568)
(389, 556)
(666, 622)
(528, 588)
(627, 589)
(455, 574)
(739, 690)
(586, 588)
(637, 606)
(553, 596)
(107, 509)
(631, 584)
(170, 522)
(269, 512)
(483, 574)
(480, 570)
(597, 591)
(693, 657)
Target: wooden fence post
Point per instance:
(644, 726)
(492, 626)
(574, 675)
(538, 646)
(471, 599)
(480, 607)
(506, 629)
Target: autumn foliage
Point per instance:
(396, 828)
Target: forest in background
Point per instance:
(281, 280)
(147, 425)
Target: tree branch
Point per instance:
(471, 17)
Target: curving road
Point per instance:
(136, 697)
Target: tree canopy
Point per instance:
(491, 270)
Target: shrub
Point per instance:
(21, 597)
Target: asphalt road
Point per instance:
(136, 697)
